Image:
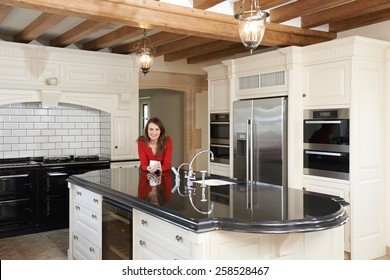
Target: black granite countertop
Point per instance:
(235, 207)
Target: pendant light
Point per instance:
(251, 25)
(145, 54)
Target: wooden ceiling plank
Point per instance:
(39, 26)
(357, 8)
(303, 7)
(234, 50)
(113, 38)
(360, 21)
(205, 4)
(156, 40)
(198, 50)
(148, 14)
(182, 44)
(4, 11)
(77, 33)
(264, 5)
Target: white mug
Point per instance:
(153, 164)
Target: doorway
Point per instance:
(168, 106)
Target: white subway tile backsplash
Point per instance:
(26, 140)
(41, 125)
(11, 125)
(11, 140)
(41, 139)
(19, 132)
(27, 129)
(18, 147)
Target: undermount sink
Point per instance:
(215, 182)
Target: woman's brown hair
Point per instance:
(162, 140)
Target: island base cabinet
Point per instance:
(158, 239)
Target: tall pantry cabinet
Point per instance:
(350, 73)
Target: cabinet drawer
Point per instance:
(83, 249)
(171, 237)
(88, 223)
(145, 249)
(87, 198)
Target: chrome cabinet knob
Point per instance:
(142, 243)
(178, 238)
(144, 222)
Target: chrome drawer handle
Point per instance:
(75, 237)
(142, 243)
(92, 250)
(78, 193)
(94, 216)
(77, 207)
(144, 222)
(179, 238)
(96, 200)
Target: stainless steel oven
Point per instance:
(326, 143)
(220, 137)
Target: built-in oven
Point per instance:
(117, 231)
(220, 137)
(326, 143)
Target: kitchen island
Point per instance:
(228, 221)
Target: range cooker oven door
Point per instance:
(17, 189)
(55, 196)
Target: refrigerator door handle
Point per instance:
(248, 141)
(251, 151)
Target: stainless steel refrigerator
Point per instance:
(260, 141)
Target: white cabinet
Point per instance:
(85, 226)
(122, 141)
(327, 84)
(156, 239)
(218, 89)
(219, 96)
(333, 187)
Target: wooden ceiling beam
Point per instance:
(264, 5)
(39, 26)
(303, 7)
(205, 4)
(161, 16)
(182, 44)
(4, 11)
(234, 50)
(77, 33)
(156, 40)
(360, 21)
(353, 9)
(113, 38)
(199, 50)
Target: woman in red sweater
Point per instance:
(155, 145)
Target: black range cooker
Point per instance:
(34, 193)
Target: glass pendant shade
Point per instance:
(145, 59)
(251, 26)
